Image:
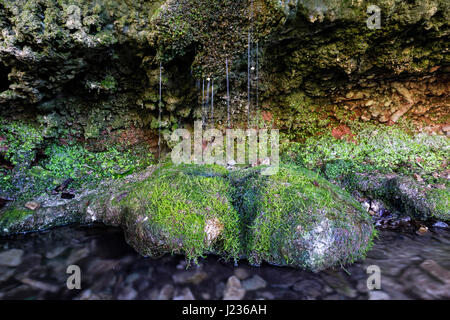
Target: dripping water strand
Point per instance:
(248, 82)
(248, 65)
(257, 84)
(228, 95)
(207, 99)
(159, 111)
(203, 103)
(212, 102)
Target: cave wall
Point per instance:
(89, 70)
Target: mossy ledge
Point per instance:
(293, 218)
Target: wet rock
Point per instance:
(185, 294)
(254, 283)
(340, 284)
(422, 230)
(40, 285)
(406, 194)
(6, 273)
(131, 278)
(366, 205)
(433, 268)
(220, 288)
(194, 277)
(233, 289)
(89, 295)
(127, 293)
(32, 205)
(377, 205)
(310, 288)
(77, 255)
(11, 258)
(440, 224)
(378, 295)
(166, 292)
(241, 273)
(55, 252)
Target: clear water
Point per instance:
(113, 270)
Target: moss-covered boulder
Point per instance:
(179, 209)
(402, 193)
(296, 218)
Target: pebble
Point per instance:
(378, 295)
(77, 254)
(233, 289)
(308, 287)
(440, 224)
(206, 296)
(422, 230)
(436, 271)
(254, 283)
(127, 293)
(194, 277)
(53, 253)
(40, 285)
(5, 273)
(185, 294)
(32, 205)
(166, 292)
(11, 258)
(376, 205)
(241, 273)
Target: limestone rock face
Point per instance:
(95, 67)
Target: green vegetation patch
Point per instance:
(382, 148)
(31, 165)
(13, 215)
(188, 209)
(440, 201)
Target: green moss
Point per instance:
(20, 140)
(78, 163)
(28, 175)
(440, 200)
(12, 215)
(179, 201)
(281, 211)
(381, 148)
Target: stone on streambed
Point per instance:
(296, 218)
